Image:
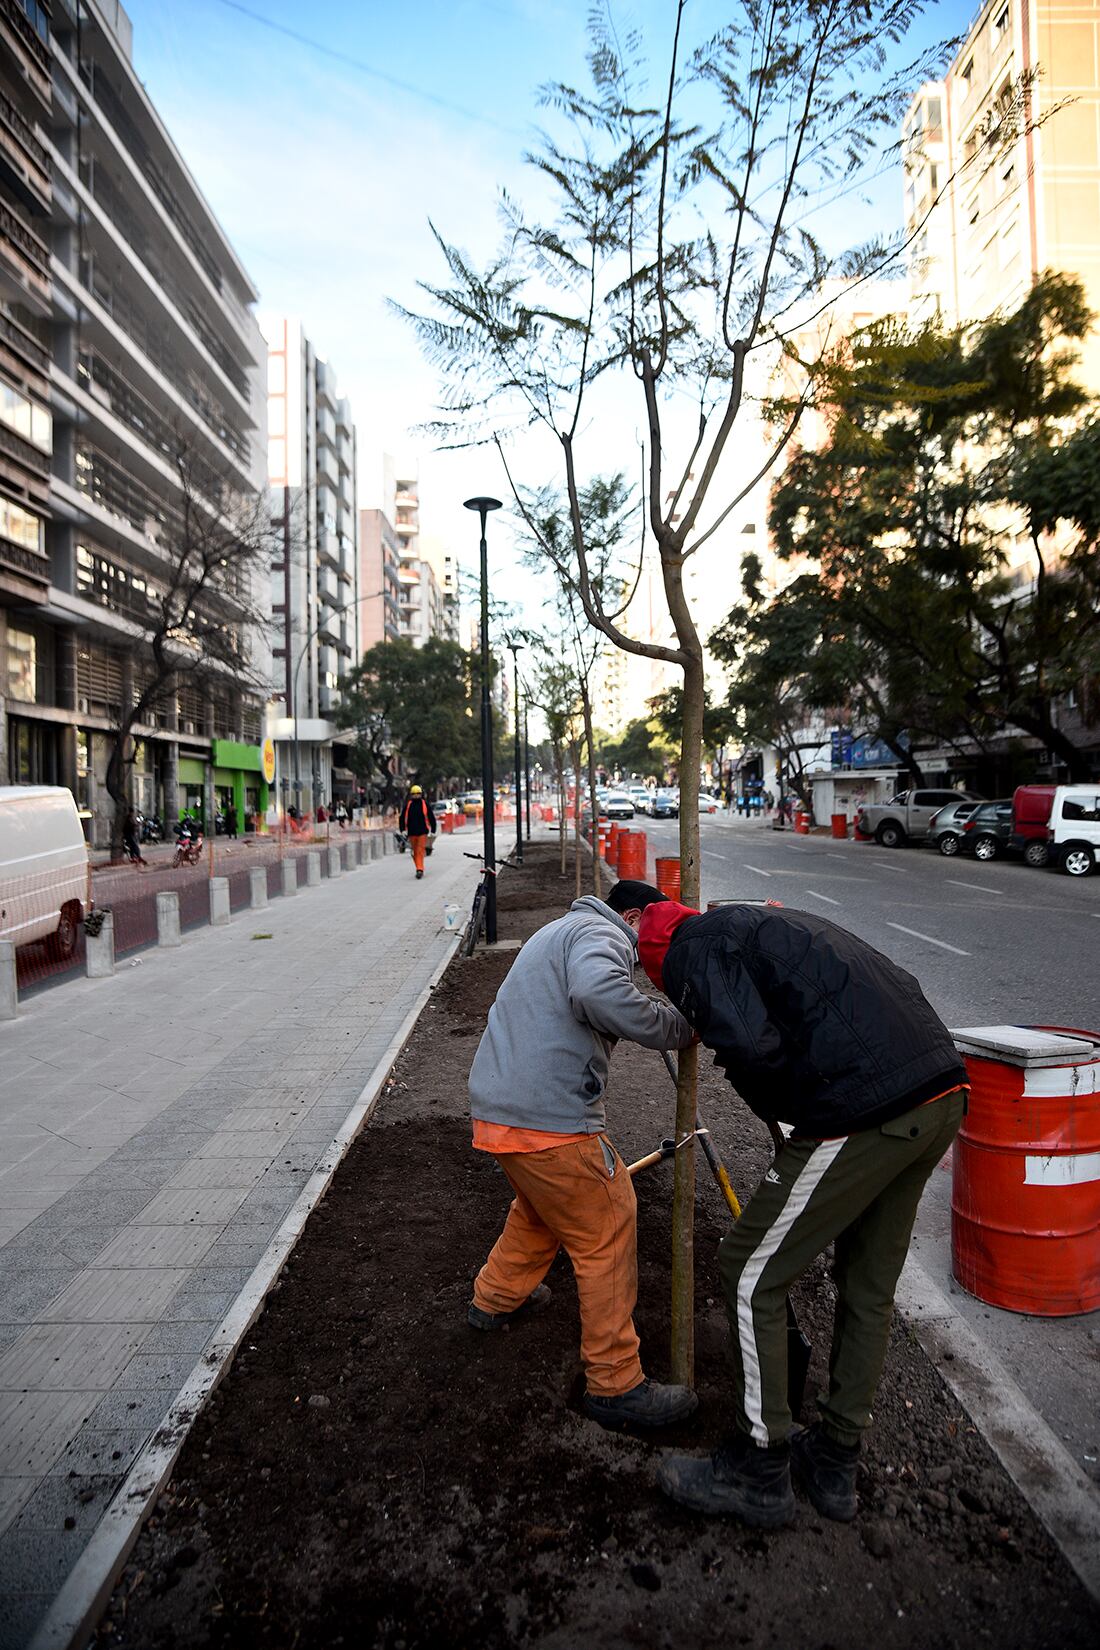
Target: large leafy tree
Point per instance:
(945, 446)
(412, 706)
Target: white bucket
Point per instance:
(451, 914)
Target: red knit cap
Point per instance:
(658, 924)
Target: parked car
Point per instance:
(43, 866)
(1031, 806)
(906, 818)
(470, 802)
(988, 830)
(664, 805)
(1073, 835)
(642, 798)
(707, 804)
(618, 805)
(945, 827)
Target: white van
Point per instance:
(43, 866)
(1073, 831)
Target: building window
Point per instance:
(1000, 24)
(20, 526)
(933, 121)
(22, 661)
(26, 417)
(967, 78)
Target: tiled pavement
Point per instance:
(155, 1128)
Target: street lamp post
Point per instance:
(483, 507)
(526, 769)
(515, 650)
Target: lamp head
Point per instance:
(482, 506)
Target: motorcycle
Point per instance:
(190, 845)
(151, 828)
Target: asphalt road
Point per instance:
(991, 944)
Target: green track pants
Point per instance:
(861, 1194)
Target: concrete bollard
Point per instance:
(335, 863)
(168, 919)
(372, 848)
(290, 877)
(9, 989)
(257, 887)
(387, 843)
(99, 949)
(313, 868)
(219, 901)
(354, 845)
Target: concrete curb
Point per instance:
(1058, 1492)
(75, 1611)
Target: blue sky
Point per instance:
(324, 175)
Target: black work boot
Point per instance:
(826, 1470)
(649, 1404)
(536, 1300)
(752, 1483)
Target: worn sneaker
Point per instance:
(649, 1404)
(826, 1470)
(536, 1300)
(752, 1483)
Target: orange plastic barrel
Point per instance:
(802, 823)
(668, 877)
(612, 854)
(605, 838)
(633, 847)
(1025, 1195)
(840, 827)
(448, 823)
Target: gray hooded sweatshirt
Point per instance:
(569, 996)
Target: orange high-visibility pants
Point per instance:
(566, 1198)
(418, 845)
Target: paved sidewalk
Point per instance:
(155, 1128)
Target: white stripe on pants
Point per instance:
(818, 1163)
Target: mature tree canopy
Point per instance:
(948, 450)
(413, 704)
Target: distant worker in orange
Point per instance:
(418, 824)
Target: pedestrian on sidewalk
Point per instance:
(418, 824)
(231, 823)
(131, 831)
(536, 1099)
(817, 1030)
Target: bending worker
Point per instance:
(817, 1030)
(418, 823)
(536, 1098)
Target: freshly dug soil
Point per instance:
(372, 1472)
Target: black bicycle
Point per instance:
(481, 895)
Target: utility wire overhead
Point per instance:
(367, 69)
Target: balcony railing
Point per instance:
(32, 251)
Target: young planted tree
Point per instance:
(201, 607)
(675, 251)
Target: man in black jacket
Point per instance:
(816, 1030)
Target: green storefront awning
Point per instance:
(245, 758)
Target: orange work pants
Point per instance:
(565, 1198)
(418, 845)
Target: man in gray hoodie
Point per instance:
(536, 1099)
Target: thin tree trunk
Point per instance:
(575, 753)
(560, 764)
(683, 1187)
(586, 709)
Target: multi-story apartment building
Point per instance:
(1002, 164)
(315, 572)
(429, 576)
(25, 287)
(1002, 182)
(156, 391)
(379, 580)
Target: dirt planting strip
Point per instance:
(372, 1472)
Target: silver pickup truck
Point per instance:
(906, 817)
